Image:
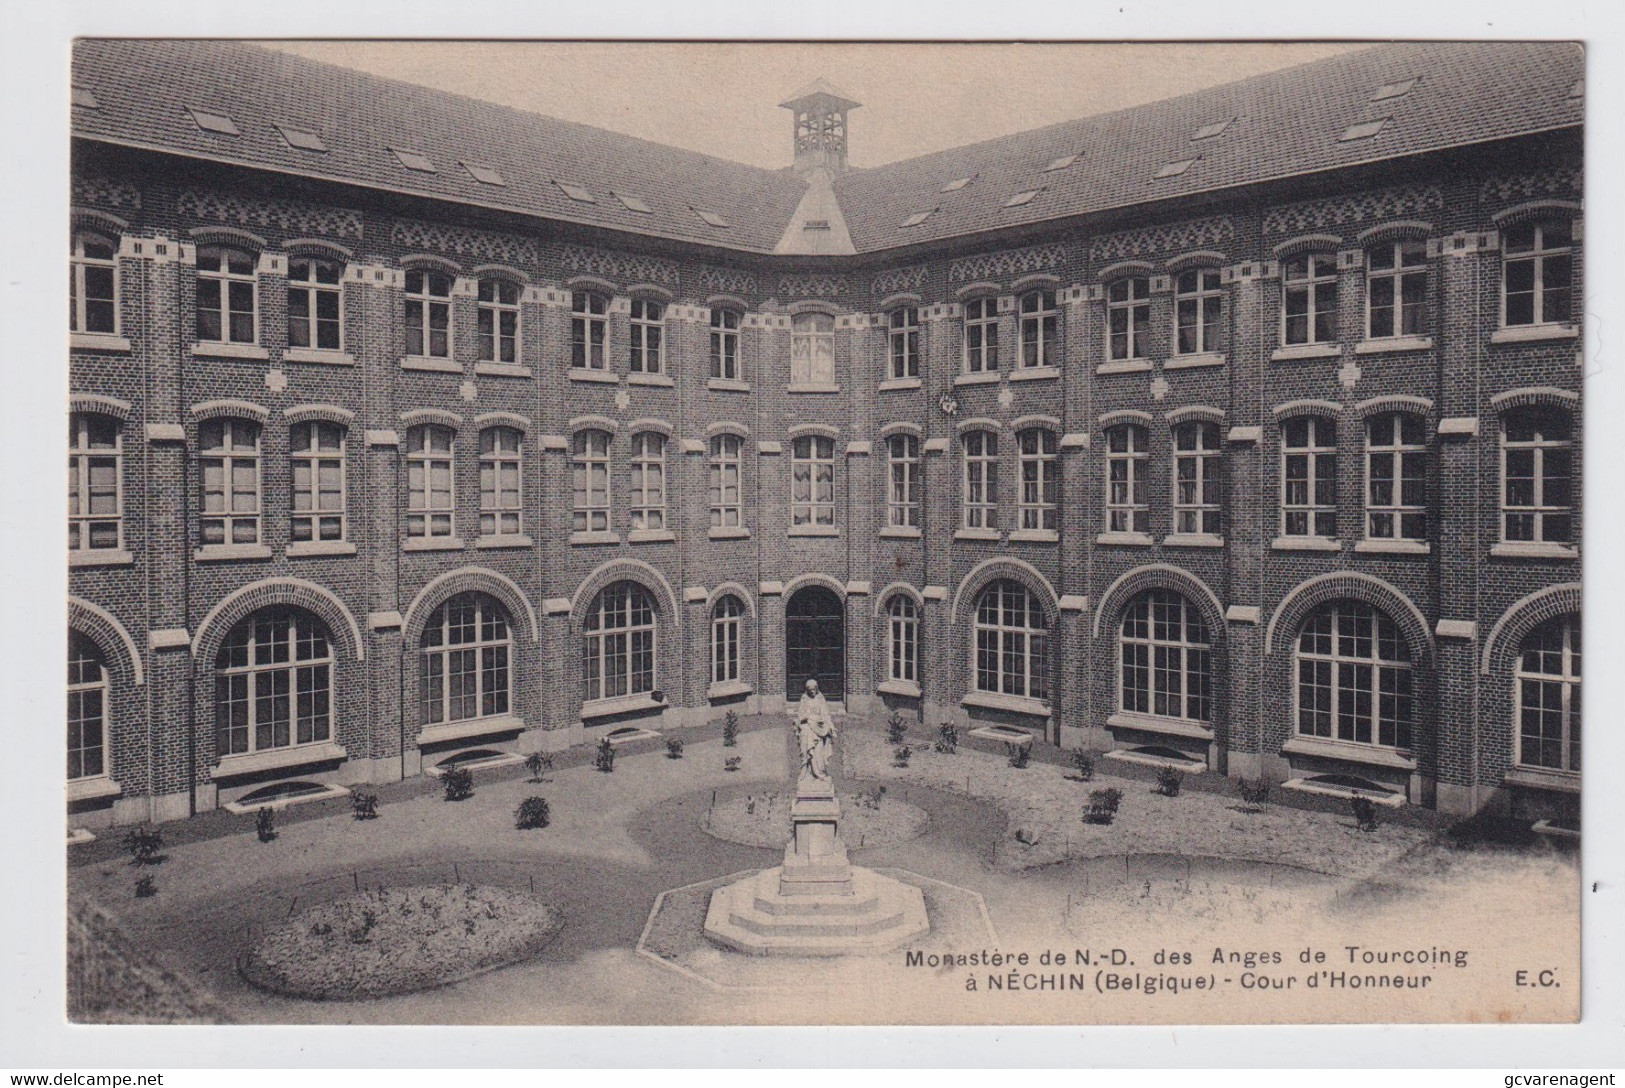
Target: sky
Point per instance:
(722, 98)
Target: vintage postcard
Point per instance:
(795, 533)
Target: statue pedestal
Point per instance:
(815, 860)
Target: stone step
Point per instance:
(894, 916)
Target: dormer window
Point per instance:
(1175, 169)
(815, 224)
(575, 192)
(633, 203)
(1394, 90)
(711, 219)
(301, 139)
(1021, 198)
(1207, 132)
(917, 218)
(955, 185)
(485, 175)
(83, 97)
(413, 160)
(1364, 130)
(215, 122)
(1061, 163)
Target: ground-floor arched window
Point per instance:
(466, 649)
(903, 639)
(1166, 658)
(1548, 694)
(1354, 677)
(1012, 642)
(273, 683)
(725, 621)
(87, 708)
(618, 643)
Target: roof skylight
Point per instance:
(414, 160)
(215, 122)
(485, 175)
(1364, 130)
(1062, 163)
(1394, 90)
(712, 219)
(83, 97)
(575, 192)
(633, 203)
(917, 218)
(955, 185)
(1174, 169)
(1207, 132)
(1024, 197)
(301, 138)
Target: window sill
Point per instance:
(93, 789)
(1016, 704)
(1542, 778)
(432, 544)
(976, 534)
(907, 689)
(733, 689)
(1531, 549)
(980, 377)
(1035, 536)
(625, 704)
(1305, 351)
(1150, 723)
(1306, 544)
(1124, 366)
(1133, 539)
(320, 547)
(900, 532)
(598, 537)
(503, 540)
(814, 530)
(1394, 343)
(231, 351)
(502, 370)
(436, 366)
(604, 377)
(98, 341)
(727, 534)
(1193, 540)
(663, 380)
(471, 727)
(1393, 547)
(319, 356)
(108, 557)
(1348, 752)
(276, 758)
(727, 385)
(1189, 362)
(211, 553)
(891, 384)
(1523, 334)
(812, 387)
(1035, 373)
(650, 536)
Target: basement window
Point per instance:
(1062, 163)
(1364, 130)
(215, 122)
(1174, 169)
(83, 97)
(1207, 132)
(712, 219)
(1394, 90)
(302, 139)
(634, 203)
(414, 160)
(917, 218)
(1025, 197)
(485, 175)
(955, 185)
(575, 192)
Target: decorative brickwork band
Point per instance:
(1297, 605)
(104, 192)
(1161, 576)
(479, 245)
(1007, 263)
(1166, 238)
(110, 636)
(469, 580)
(1399, 202)
(289, 216)
(628, 570)
(621, 267)
(1501, 647)
(297, 592)
(990, 570)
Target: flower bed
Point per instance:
(868, 818)
(397, 940)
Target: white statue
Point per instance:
(815, 733)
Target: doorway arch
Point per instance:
(815, 642)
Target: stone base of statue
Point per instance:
(817, 903)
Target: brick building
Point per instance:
(1240, 428)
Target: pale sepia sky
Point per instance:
(722, 98)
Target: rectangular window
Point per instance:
(229, 471)
(1040, 329)
(430, 502)
(1396, 290)
(95, 501)
(1309, 315)
(1537, 274)
(725, 641)
(501, 481)
(982, 336)
(812, 349)
(903, 481)
(648, 481)
(1196, 478)
(1396, 477)
(313, 303)
(812, 480)
(903, 639)
(1537, 476)
(904, 341)
(499, 321)
(589, 471)
(1309, 477)
(726, 473)
(589, 331)
(647, 351)
(317, 452)
(725, 344)
(1126, 506)
(981, 480)
(1128, 317)
(428, 314)
(226, 292)
(92, 296)
(1198, 311)
(1039, 479)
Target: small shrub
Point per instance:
(1102, 806)
(146, 887)
(1169, 780)
(1365, 813)
(1019, 754)
(1084, 764)
(143, 845)
(459, 783)
(364, 805)
(730, 729)
(901, 756)
(865, 799)
(896, 728)
(948, 739)
(674, 749)
(532, 812)
(731, 763)
(1255, 793)
(604, 758)
(540, 765)
(265, 824)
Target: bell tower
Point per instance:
(820, 127)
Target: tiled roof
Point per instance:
(1296, 121)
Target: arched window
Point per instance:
(1197, 509)
(1309, 287)
(725, 620)
(1166, 657)
(647, 354)
(1537, 465)
(589, 472)
(1537, 273)
(1548, 696)
(618, 643)
(430, 491)
(1354, 677)
(1198, 311)
(727, 466)
(226, 292)
(589, 330)
(229, 475)
(1127, 509)
(316, 449)
(464, 671)
(501, 481)
(95, 483)
(812, 349)
(313, 304)
(725, 344)
(1040, 480)
(428, 313)
(1128, 318)
(903, 639)
(92, 284)
(499, 321)
(812, 480)
(1396, 289)
(273, 683)
(903, 481)
(903, 340)
(648, 502)
(981, 479)
(982, 335)
(1309, 477)
(87, 708)
(1012, 642)
(1040, 330)
(1396, 477)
